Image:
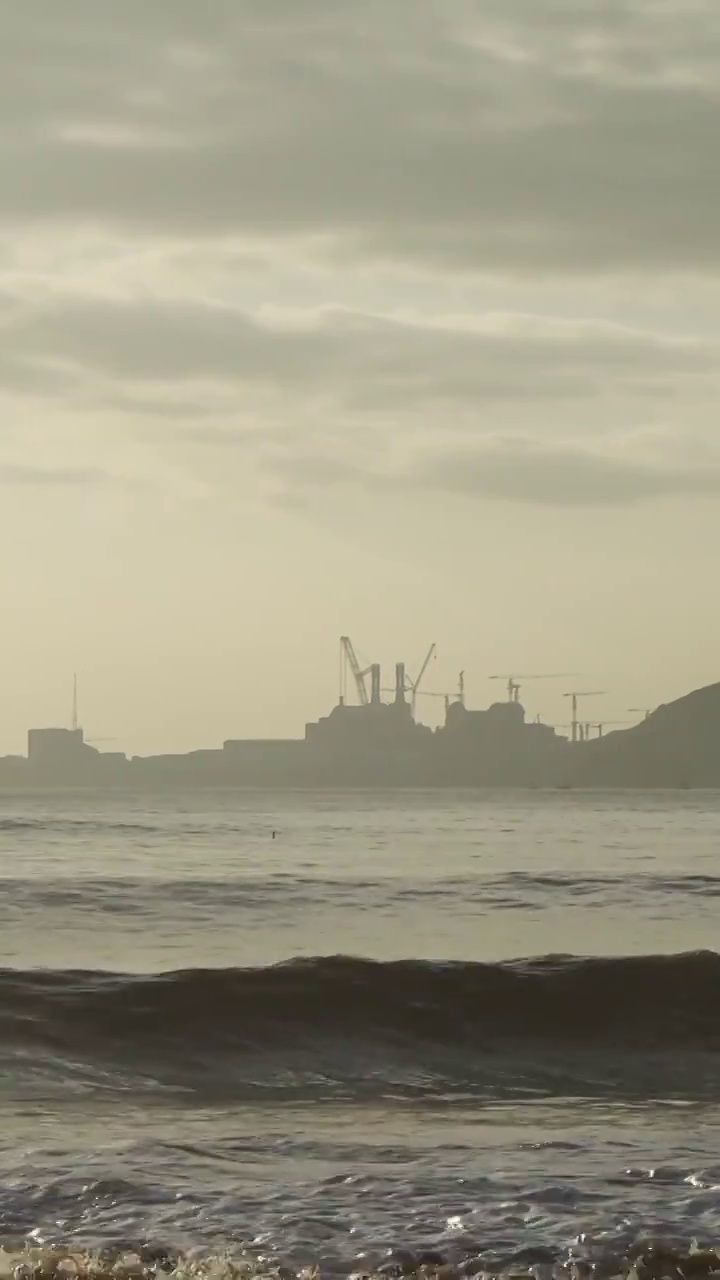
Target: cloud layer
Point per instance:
(317, 398)
(547, 136)
(396, 247)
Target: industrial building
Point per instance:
(57, 755)
(372, 737)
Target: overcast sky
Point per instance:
(399, 319)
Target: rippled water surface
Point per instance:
(330, 1108)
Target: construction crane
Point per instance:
(513, 687)
(600, 725)
(348, 658)
(447, 697)
(645, 712)
(458, 696)
(575, 694)
(74, 721)
(414, 685)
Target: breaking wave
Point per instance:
(353, 1026)
(646, 1260)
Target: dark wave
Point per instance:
(75, 825)
(117, 894)
(329, 1006)
(667, 1000)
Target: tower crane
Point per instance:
(600, 725)
(414, 685)
(585, 728)
(458, 696)
(513, 687)
(645, 712)
(580, 693)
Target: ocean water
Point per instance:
(477, 1028)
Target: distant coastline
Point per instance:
(381, 745)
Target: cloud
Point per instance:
(17, 474)
(545, 136)
(510, 471)
(358, 360)
(510, 406)
(520, 472)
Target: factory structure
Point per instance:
(372, 737)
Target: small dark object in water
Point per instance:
(400, 1262)
(158, 1255)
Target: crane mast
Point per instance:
(574, 694)
(415, 684)
(513, 687)
(75, 724)
(350, 659)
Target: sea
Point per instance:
(393, 1032)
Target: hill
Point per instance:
(677, 746)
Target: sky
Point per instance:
(397, 320)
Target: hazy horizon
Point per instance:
(400, 323)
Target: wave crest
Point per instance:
(382, 1020)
